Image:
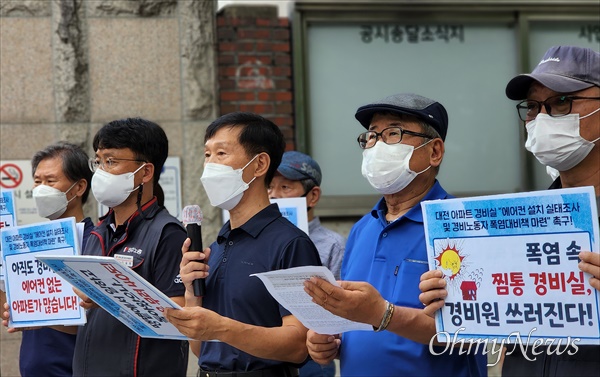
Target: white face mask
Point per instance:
(553, 173)
(387, 168)
(111, 189)
(224, 185)
(51, 203)
(556, 142)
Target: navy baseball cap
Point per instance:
(297, 166)
(564, 69)
(427, 110)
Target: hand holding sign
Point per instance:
(6, 319)
(433, 291)
(119, 290)
(86, 302)
(590, 263)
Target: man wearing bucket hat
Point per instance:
(299, 175)
(403, 147)
(559, 105)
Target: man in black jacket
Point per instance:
(138, 231)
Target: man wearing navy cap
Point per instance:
(299, 175)
(403, 147)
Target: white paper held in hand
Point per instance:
(287, 287)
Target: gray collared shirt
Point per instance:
(331, 246)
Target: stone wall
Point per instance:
(68, 66)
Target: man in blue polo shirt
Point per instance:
(403, 148)
(241, 328)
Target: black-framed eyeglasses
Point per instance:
(390, 135)
(107, 164)
(556, 106)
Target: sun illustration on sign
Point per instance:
(450, 260)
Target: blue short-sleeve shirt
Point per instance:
(266, 242)
(392, 257)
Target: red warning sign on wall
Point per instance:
(11, 176)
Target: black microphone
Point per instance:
(192, 219)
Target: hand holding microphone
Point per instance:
(192, 219)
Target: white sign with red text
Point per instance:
(36, 295)
(511, 266)
(120, 291)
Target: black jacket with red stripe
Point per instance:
(151, 246)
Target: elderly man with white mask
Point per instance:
(403, 147)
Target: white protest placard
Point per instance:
(293, 209)
(120, 291)
(510, 263)
(38, 296)
(287, 287)
(170, 181)
(8, 218)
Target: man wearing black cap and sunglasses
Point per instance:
(385, 256)
(559, 105)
